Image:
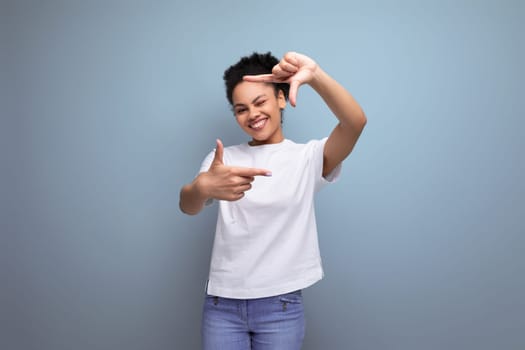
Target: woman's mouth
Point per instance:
(258, 124)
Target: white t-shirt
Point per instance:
(266, 243)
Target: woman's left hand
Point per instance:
(294, 68)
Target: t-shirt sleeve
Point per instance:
(207, 162)
(204, 167)
(317, 161)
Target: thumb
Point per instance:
(219, 151)
(294, 86)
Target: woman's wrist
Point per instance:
(318, 78)
(200, 185)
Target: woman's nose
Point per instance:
(254, 112)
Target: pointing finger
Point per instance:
(250, 172)
(261, 78)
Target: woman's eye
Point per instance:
(260, 103)
(240, 110)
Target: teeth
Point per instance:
(259, 124)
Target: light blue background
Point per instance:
(108, 108)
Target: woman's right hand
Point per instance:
(224, 182)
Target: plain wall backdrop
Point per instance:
(109, 107)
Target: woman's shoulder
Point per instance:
(310, 144)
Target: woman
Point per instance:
(266, 248)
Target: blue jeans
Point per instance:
(273, 323)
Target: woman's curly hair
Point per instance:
(256, 63)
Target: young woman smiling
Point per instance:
(266, 247)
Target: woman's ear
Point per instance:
(281, 100)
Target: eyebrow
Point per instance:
(253, 101)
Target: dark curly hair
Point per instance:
(256, 63)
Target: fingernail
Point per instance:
(268, 174)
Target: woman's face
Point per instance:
(258, 111)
